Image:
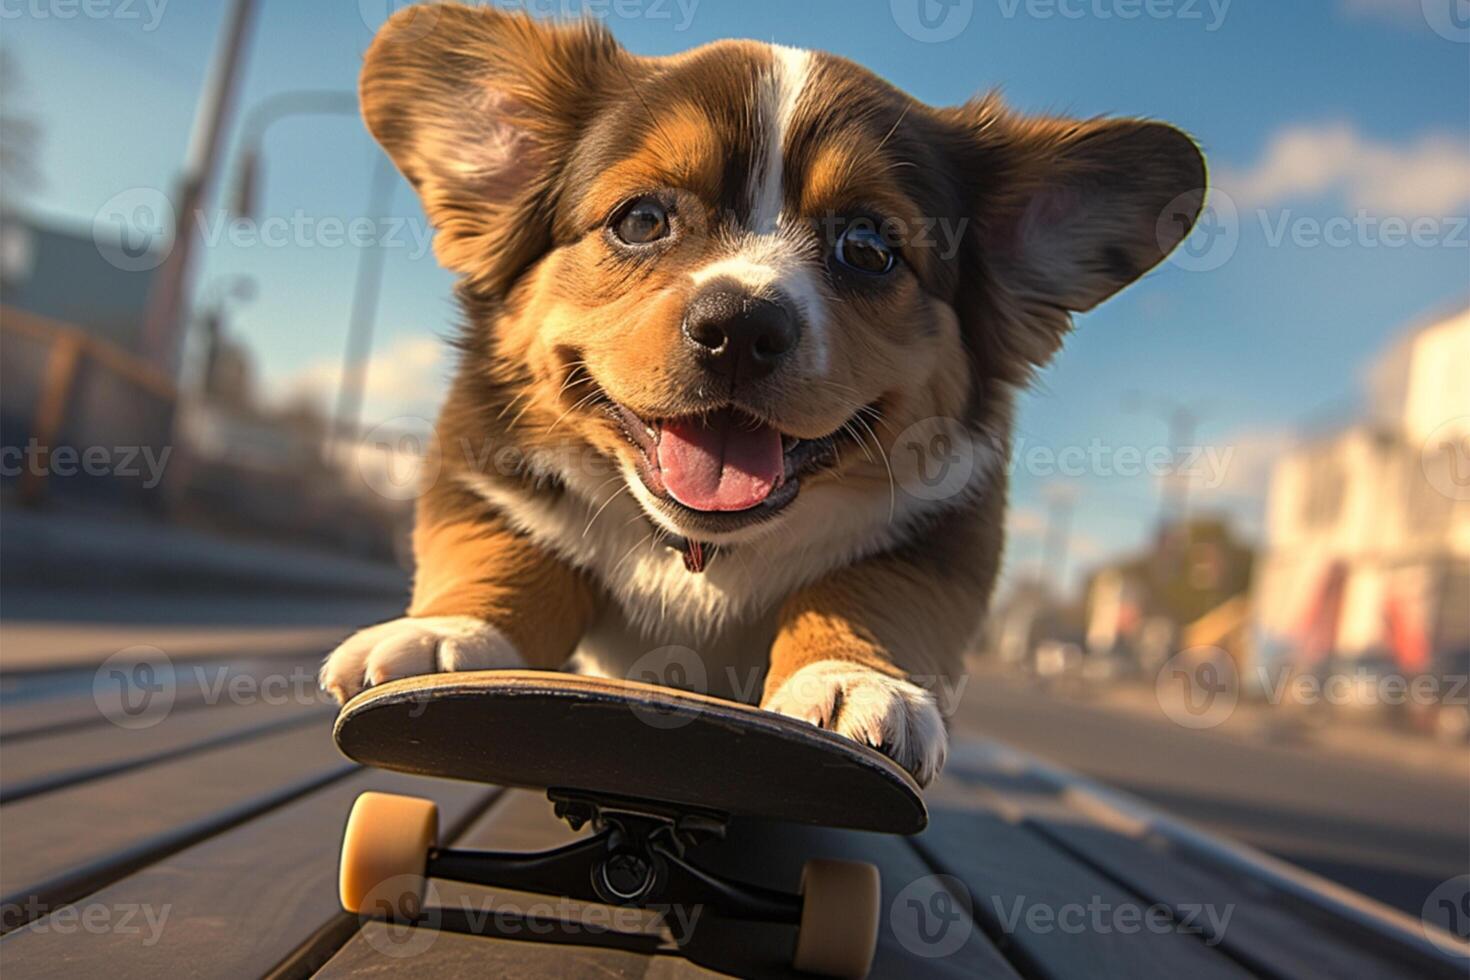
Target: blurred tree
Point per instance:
(1192, 568)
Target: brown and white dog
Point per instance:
(704, 296)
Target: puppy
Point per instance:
(743, 330)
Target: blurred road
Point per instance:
(1391, 833)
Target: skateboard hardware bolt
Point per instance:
(626, 875)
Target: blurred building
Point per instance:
(71, 378)
(67, 276)
(1368, 530)
(87, 421)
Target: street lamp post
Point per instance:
(166, 296)
(1183, 422)
(368, 285)
(364, 311)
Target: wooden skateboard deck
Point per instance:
(621, 739)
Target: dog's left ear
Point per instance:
(480, 108)
(1079, 210)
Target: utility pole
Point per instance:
(1060, 500)
(162, 324)
(1174, 502)
(1183, 422)
(364, 313)
(345, 421)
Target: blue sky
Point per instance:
(1326, 122)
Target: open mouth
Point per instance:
(722, 470)
(718, 471)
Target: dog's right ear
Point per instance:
(479, 108)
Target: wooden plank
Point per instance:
(567, 939)
(59, 846)
(910, 942)
(1267, 930)
(71, 700)
(235, 905)
(1054, 915)
(48, 763)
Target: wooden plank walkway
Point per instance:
(206, 845)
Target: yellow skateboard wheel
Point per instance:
(839, 918)
(385, 851)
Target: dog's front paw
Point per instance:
(415, 645)
(898, 718)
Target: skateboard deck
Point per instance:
(607, 738)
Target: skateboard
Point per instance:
(653, 772)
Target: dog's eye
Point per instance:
(861, 249)
(643, 222)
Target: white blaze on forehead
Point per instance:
(765, 260)
(780, 93)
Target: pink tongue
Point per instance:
(720, 463)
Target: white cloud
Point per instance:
(1429, 176)
(408, 377)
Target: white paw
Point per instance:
(414, 645)
(897, 717)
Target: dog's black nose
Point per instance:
(737, 333)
